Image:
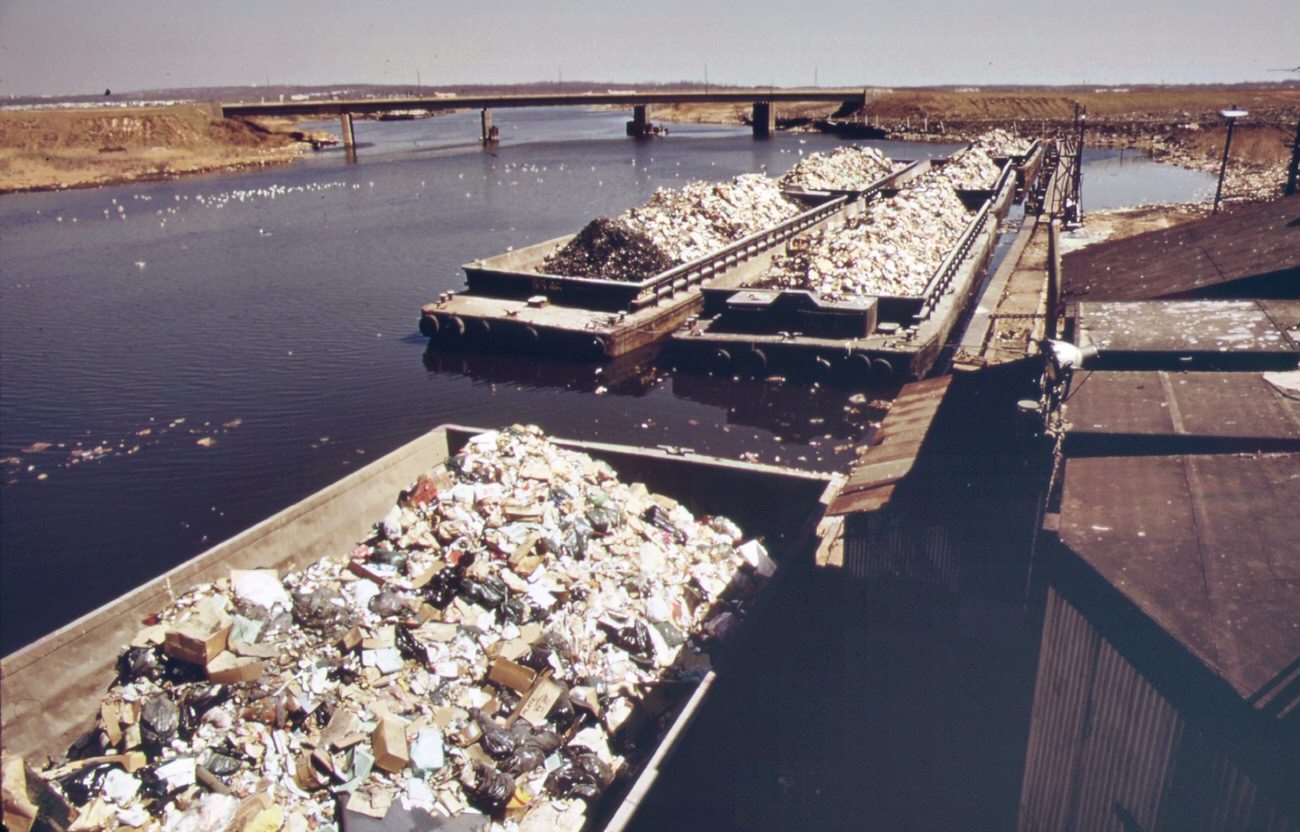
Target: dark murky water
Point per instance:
(181, 359)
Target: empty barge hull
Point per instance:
(50, 691)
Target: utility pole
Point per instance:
(1293, 172)
(1231, 117)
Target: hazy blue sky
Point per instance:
(66, 46)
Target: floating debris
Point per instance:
(494, 652)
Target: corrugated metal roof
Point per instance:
(1235, 330)
(1206, 546)
(1160, 411)
(1198, 256)
(871, 481)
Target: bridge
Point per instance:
(761, 101)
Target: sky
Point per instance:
(86, 46)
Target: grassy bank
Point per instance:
(72, 148)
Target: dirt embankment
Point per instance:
(1180, 125)
(50, 149)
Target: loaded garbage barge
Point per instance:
(397, 757)
(510, 303)
(873, 338)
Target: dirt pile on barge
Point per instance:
(495, 652)
(609, 249)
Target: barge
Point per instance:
(52, 689)
(874, 340)
(510, 303)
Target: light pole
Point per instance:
(1231, 116)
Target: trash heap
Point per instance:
(999, 142)
(892, 248)
(609, 249)
(971, 169)
(672, 228)
(509, 642)
(844, 169)
(705, 216)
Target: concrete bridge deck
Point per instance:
(762, 100)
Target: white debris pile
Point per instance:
(492, 654)
(999, 142)
(971, 169)
(843, 169)
(893, 248)
(703, 217)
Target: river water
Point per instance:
(181, 359)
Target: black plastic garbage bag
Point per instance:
(138, 663)
(487, 788)
(159, 720)
(441, 589)
(634, 637)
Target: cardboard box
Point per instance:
(512, 675)
(229, 669)
(389, 743)
(537, 705)
(198, 639)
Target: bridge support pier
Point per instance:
(763, 119)
(640, 124)
(345, 121)
(490, 134)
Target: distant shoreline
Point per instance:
(62, 147)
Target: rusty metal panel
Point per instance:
(1203, 409)
(1108, 752)
(1183, 327)
(1195, 257)
(880, 546)
(1205, 546)
(901, 435)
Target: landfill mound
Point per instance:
(609, 249)
(893, 248)
(703, 217)
(844, 169)
(971, 169)
(490, 657)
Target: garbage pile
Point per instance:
(892, 248)
(705, 216)
(494, 656)
(609, 249)
(1000, 142)
(844, 169)
(971, 169)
